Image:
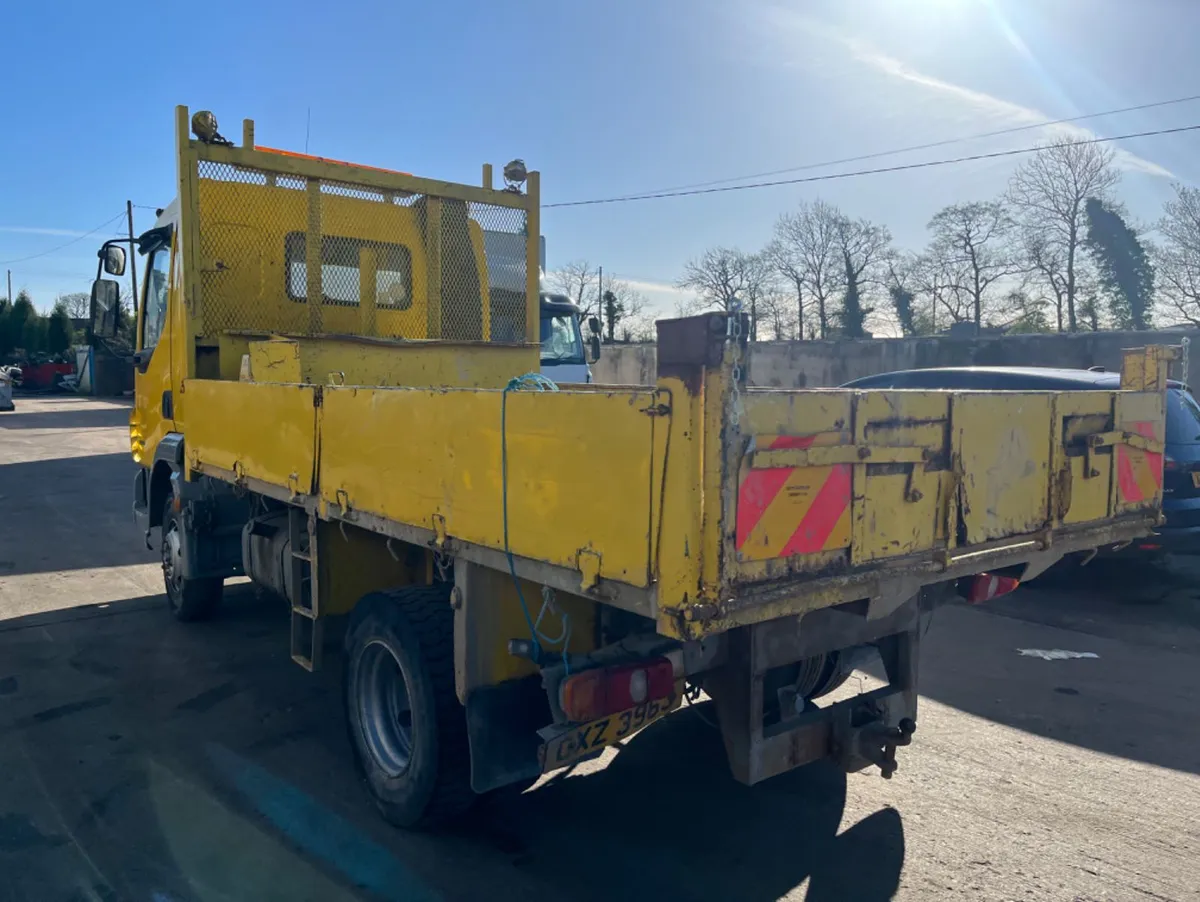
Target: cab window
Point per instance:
(158, 272)
(339, 270)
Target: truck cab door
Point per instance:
(153, 413)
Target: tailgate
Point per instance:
(839, 481)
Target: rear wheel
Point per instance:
(407, 727)
(188, 599)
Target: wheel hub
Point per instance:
(172, 558)
(384, 708)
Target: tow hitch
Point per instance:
(873, 743)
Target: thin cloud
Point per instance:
(37, 230)
(656, 287)
(987, 104)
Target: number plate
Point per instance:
(581, 741)
(1196, 478)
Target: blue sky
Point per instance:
(604, 98)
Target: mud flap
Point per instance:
(502, 725)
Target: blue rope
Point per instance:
(528, 382)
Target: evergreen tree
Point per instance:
(853, 314)
(902, 300)
(1126, 274)
(58, 331)
(614, 312)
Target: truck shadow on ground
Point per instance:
(148, 760)
(664, 820)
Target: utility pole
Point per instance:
(132, 259)
(10, 286)
(600, 290)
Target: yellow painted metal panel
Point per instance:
(677, 534)
(1145, 369)
(791, 517)
(275, 361)
(771, 412)
(491, 616)
(1139, 473)
(1003, 439)
(900, 508)
(1084, 481)
(352, 562)
(257, 430)
(578, 468)
(356, 361)
(786, 508)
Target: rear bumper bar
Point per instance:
(886, 587)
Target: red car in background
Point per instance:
(41, 376)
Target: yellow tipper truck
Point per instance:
(337, 396)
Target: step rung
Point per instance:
(306, 613)
(301, 556)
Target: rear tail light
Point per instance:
(1169, 463)
(986, 586)
(606, 690)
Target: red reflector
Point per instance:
(986, 586)
(1149, 547)
(607, 690)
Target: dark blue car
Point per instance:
(1181, 464)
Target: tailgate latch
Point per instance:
(1098, 440)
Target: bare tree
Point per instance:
(864, 249)
(761, 279)
(1048, 264)
(806, 252)
(725, 277)
(716, 277)
(637, 320)
(938, 281)
(1177, 257)
(973, 241)
(578, 280)
(76, 303)
(1049, 193)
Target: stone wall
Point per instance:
(813, 364)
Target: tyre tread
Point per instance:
(198, 598)
(427, 611)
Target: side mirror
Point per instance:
(113, 256)
(595, 348)
(594, 324)
(106, 306)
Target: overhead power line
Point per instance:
(901, 167)
(1049, 123)
(65, 244)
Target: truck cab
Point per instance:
(564, 356)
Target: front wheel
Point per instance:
(408, 729)
(188, 599)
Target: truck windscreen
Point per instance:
(561, 341)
